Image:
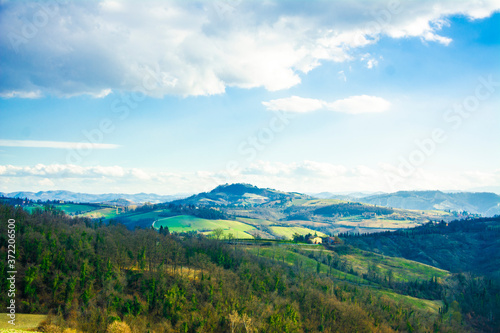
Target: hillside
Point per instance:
(457, 246)
(86, 275)
(239, 195)
(484, 203)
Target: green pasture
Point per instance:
(403, 269)
(24, 322)
(182, 223)
(288, 232)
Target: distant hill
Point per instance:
(239, 194)
(117, 198)
(484, 203)
(348, 196)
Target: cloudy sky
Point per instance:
(309, 96)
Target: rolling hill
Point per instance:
(484, 203)
(269, 212)
(239, 195)
(456, 246)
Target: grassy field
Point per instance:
(134, 217)
(403, 269)
(418, 303)
(289, 231)
(254, 222)
(24, 322)
(378, 223)
(187, 223)
(307, 224)
(72, 209)
(285, 254)
(105, 213)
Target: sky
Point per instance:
(310, 96)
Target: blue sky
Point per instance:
(178, 97)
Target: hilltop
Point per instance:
(240, 195)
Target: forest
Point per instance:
(89, 276)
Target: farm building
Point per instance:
(316, 240)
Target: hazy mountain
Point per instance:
(484, 203)
(117, 198)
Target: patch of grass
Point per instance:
(135, 217)
(421, 304)
(255, 222)
(289, 231)
(72, 209)
(182, 223)
(286, 255)
(404, 270)
(105, 213)
(23, 322)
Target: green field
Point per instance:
(403, 269)
(182, 223)
(255, 222)
(285, 254)
(289, 231)
(105, 213)
(72, 209)
(24, 322)
(418, 303)
(135, 217)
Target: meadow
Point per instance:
(288, 232)
(24, 323)
(183, 223)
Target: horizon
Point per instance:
(346, 193)
(170, 97)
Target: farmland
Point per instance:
(24, 322)
(246, 212)
(288, 232)
(182, 223)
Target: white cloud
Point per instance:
(195, 48)
(46, 183)
(370, 61)
(101, 94)
(313, 176)
(56, 144)
(305, 176)
(52, 171)
(342, 76)
(21, 94)
(353, 104)
(294, 104)
(360, 104)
